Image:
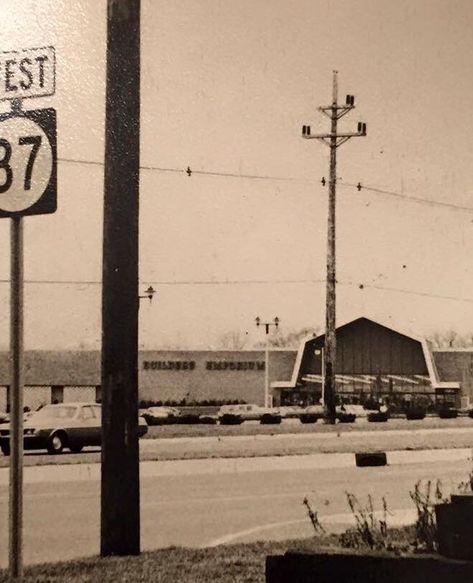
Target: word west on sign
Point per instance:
(27, 73)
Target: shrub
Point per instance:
(415, 413)
(448, 413)
(378, 417)
(309, 418)
(346, 417)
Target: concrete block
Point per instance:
(371, 459)
(328, 567)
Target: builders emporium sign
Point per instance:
(210, 365)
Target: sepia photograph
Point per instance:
(236, 291)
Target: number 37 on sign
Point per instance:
(28, 159)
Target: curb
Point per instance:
(322, 461)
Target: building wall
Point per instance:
(162, 375)
(204, 375)
(456, 365)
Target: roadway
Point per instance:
(201, 503)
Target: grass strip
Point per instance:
(243, 563)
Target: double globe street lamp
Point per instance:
(267, 325)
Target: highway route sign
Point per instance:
(28, 163)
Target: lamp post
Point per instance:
(149, 293)
(266, 325)
(320, 353)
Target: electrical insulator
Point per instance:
(360, 127)
(364, 128)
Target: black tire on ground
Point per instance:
(308, 418)
(5, 447)
(364, 460)
(76, 448)
(57, 442)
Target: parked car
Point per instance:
(161, 415)
(246, 412)
(291, 412)
(65, 425)
(208, 419)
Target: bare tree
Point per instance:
(233, 340)
(291, 339)
(450, 339)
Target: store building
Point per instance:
(373, 362)
(377, 363)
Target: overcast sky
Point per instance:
(226, 87)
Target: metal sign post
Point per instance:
(16, 400)
(28, 186)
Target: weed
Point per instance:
(426, 495)
(466, 487)
(314, 518)
(369, 530)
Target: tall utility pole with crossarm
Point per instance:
(333, 139)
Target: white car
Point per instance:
(246, 412)
(161, 415)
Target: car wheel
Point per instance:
(5, 447)
(76, 448)
(56, 443)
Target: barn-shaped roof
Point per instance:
(368, 348)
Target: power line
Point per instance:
(405, 291)
(359, 186)
(408, 197)
(190, 171)
(176, 282)
(360, 285)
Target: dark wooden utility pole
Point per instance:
(330, 303)
(334, 139)
(120, 496)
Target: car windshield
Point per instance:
(54, 412)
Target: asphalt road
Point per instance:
(210, 502)
(331, 439)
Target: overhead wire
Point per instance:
(210, 282)
(359, 186)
